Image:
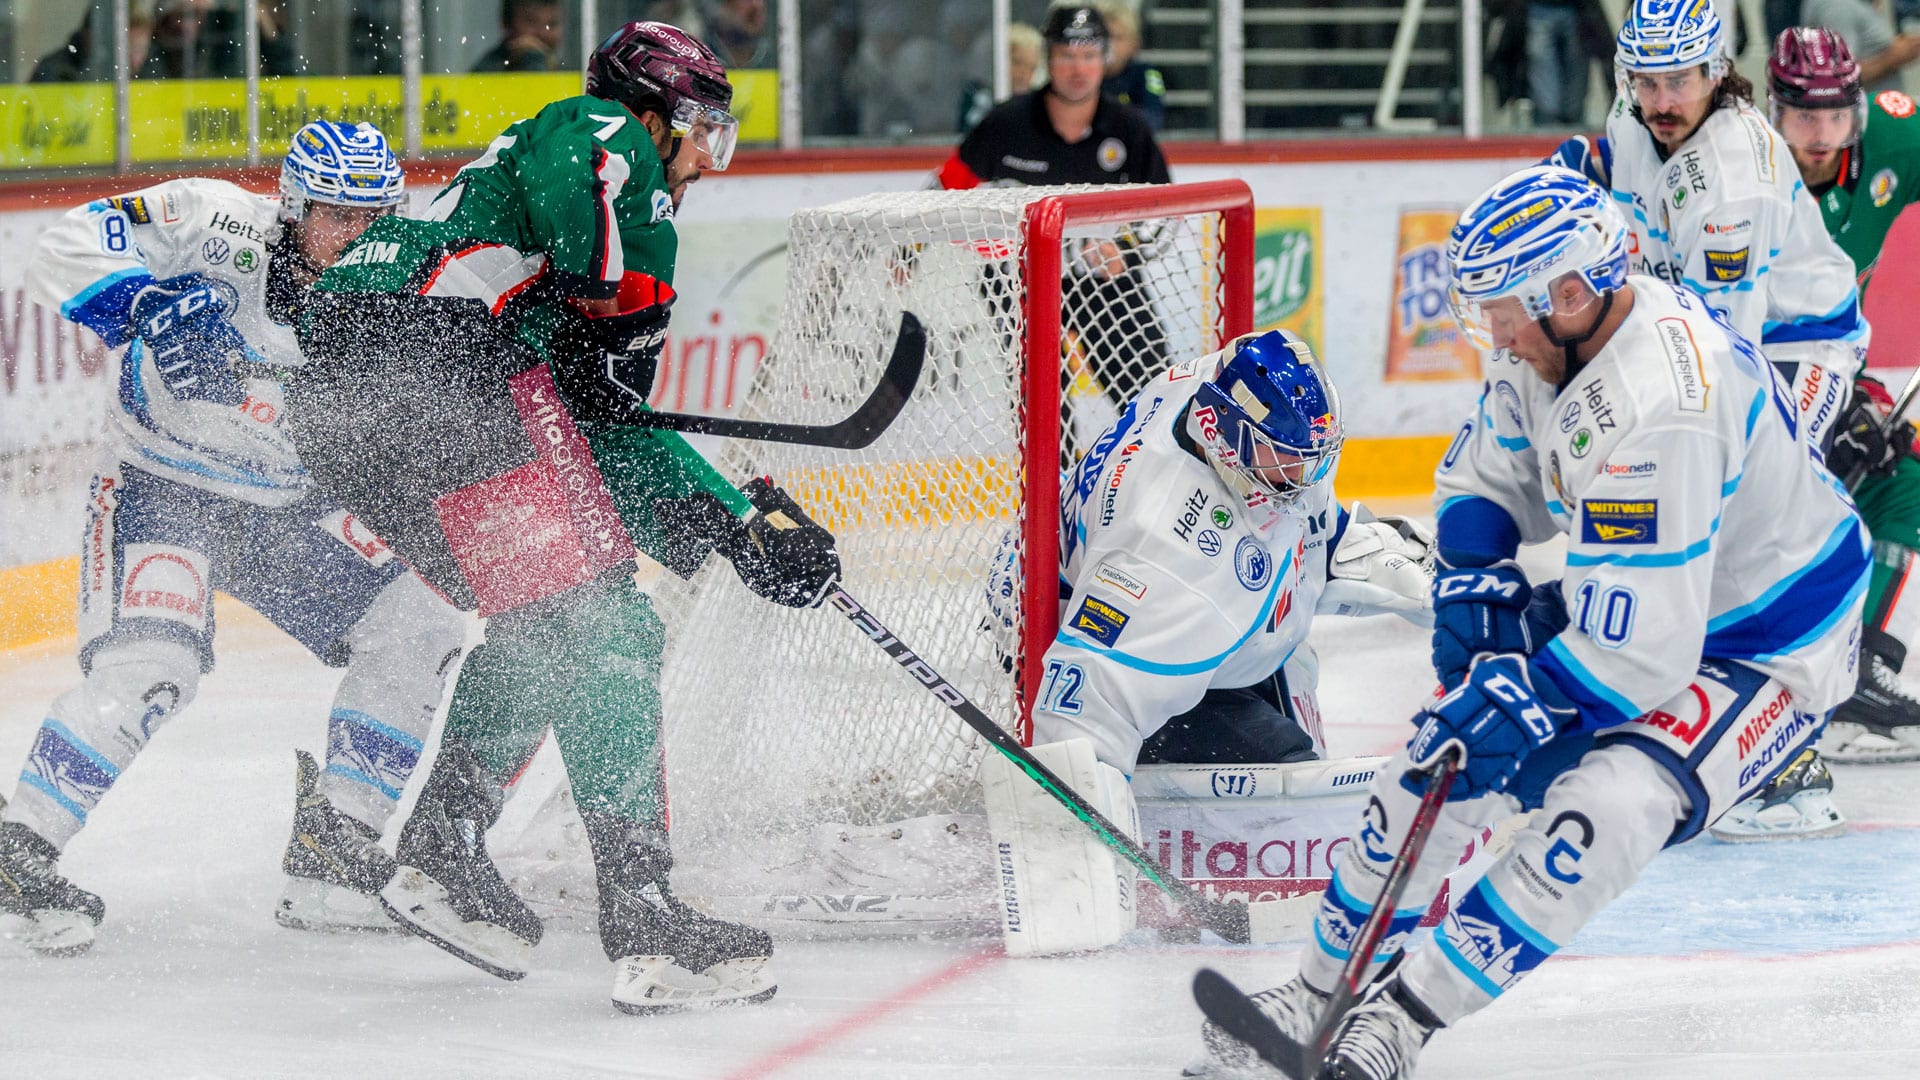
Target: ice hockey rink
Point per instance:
(1791, 959)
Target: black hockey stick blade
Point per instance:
(1236, 1014)
(858, 430)
(1229, 920)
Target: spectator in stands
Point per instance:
(1023, 61)
(530, 36)
(1867, 28)
(737, 34)
(1129, 80)
(225, 42)
(1564, 39)
(87, 56)
(181, 45)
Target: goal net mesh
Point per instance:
(800, 758)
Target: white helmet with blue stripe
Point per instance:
(1530, 230)
(1672, 35)
(343, 164)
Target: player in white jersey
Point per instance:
(1704, 626)
(1716, 204)
(200, 489)
(1199, 537)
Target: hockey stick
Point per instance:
(1891, 425)
(858, 430)
(1229, 920)
(1236, 1013)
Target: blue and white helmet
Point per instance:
(1671, 35)
(1530, 230)
(1268, 420)
(344, 164)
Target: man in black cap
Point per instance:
(1066, 132)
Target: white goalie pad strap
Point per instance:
(1381, 566)
(1257, 783)
(1062, 889)
(1301, 674)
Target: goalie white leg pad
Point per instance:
(1062, 888)
(318, 906)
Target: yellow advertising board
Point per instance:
(206, 119)
(1286, 271)
(56, 124)
(1424, 344)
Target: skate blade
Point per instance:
(1799, 818)
(1854, 744)
(651, 985)
(58, 934)
(324, 908)
(419, 904)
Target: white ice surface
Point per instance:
(1783, 960)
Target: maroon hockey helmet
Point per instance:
(655, 67)
(1812, 68)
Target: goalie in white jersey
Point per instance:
(1199, 537)
(1704, 626)
(1716, 203)
(200, 489)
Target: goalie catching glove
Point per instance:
(604, 363)
(780, 553)
(1382, 564)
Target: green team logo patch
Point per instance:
(1616, 521)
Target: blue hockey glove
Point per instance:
(188, 328)
(1477, 609)
(1500, 714)
(1584, 156)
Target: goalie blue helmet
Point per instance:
(1268, 420)
(1671, 35)
(343, 164)
(1530, 230)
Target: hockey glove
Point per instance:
(1502, 712)
(604, 364)
(1381, 565)
(1477, 609)
(1864, 444)
(187, 325)
(779, 553)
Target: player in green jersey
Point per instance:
(437, 347)
(1861, 161)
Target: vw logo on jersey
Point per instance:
(215, 250)
(1252, 564)
(1208, 542)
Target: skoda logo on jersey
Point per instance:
(1208, 542)
(246, 260)
(1223, 517)
(1112, 154)
(215, 250)
(1252, 564)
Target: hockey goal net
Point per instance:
(809, 776)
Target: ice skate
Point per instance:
(446, 888)
(335, 865)
(1880, 723)
(667, 956)
(1294, 1007)
(1796, 805)
(1381, 1036)
(38, 908)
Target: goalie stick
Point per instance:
(1229, 920)
(1237, 1015)
(858, 430)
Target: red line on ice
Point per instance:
(808, 1045)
